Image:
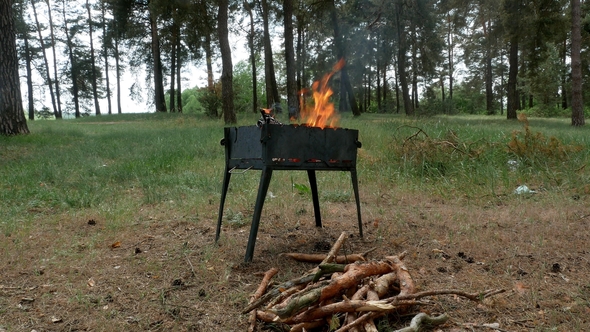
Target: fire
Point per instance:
(322, 113)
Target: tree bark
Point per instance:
(346, 87)
(577, 93)
(173, 67)
(292, 101)
(159, 100)
(513, 102)
(73, 64)
(12, 116)
(227, 92)
(272, 91)
(106, 57)
(47, 77)
(178, 72)
(401, 61)
(252, 58)
(28, 61)
(52, 35)
(94, 78)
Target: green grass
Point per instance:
(114, 165)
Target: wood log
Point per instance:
(259, 292)
(353, 274)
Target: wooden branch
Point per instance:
(318, 258)
(353, 274)
(422, 319)
(259, 292)
(476, 297)
(335, 249)
(370, 324)
(277, 290)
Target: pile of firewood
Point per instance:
(345, 297)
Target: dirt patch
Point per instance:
(165, 273)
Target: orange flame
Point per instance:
(322, 114)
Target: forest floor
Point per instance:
(73, 272)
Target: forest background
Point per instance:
(412, 57)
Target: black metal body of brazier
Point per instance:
(287, 147)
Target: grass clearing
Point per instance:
(152, 182)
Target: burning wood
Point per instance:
(349, 297)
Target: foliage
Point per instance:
(534, 147)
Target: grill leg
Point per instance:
(262, 189)
(355, 187)
(226, 177)
(315, 197)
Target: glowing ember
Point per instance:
(322, 113)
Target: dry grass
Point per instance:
(168, 274)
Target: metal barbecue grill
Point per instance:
(288, 147)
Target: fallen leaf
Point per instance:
(116, 244)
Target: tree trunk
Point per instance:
(12, 116)
(94, 78)
(488, 72)
(401, 61)
(577, 93)
(346, 87)
(118, 74)
(252, 58)
(47, 75)
(73, 65)
(513, 102)
(272, 91)
(292, 101)
(173, 67)
(209, 60)
(178, 77)
(29, 77)
(227, 93)
(159, 100)
(106, 57)
(57, 90)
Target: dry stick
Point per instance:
(370, 325)
(261, 289)
(353, 274)
(422, 319)
(317, 258)
(276, 291)
(335, 249)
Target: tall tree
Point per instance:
(251, 36)
(47, 75)
(12, 117)
(94, 76)
(105, 53)
(577, 96)
(159, 98)
(272, 91)
(73, 62)
(512, 9)
(53, 47)
(340, 50)
(292, 101)
(227, 92)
